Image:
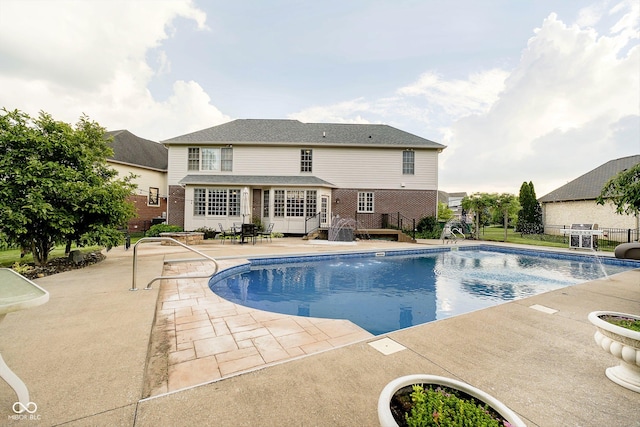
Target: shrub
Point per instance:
(447, 407)
(155, 230)
(21, 268)
(428, 228)
(209, 232)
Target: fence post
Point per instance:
(414, 229)
(628, 235)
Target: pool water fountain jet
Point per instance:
(344, 230)
(599, 261)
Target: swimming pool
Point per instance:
(383, 292)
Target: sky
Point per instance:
(519, 91)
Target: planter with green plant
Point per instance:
(430, 400)
(619, 334)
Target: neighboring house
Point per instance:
(148, 161)
(455, 204)
(285, 171)
(575, 202)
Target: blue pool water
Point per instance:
(391, 292)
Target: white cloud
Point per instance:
(560, 113)
(73, 57)
(571, 104)
(458, 98)
(343, 112)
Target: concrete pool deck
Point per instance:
(83, 355)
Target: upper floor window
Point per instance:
(365, 202)
(408, 162)
(154, 197)
(210, 159)
(306, 160)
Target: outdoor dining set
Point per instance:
(244, 233)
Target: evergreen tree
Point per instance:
(530, 216)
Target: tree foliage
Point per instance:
(508, 205)
(479, 204)
(56, 186)
(530, 216)
(445, 213)
(623, 190)
(483, 204)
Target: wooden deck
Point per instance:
(376, 234)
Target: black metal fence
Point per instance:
(610, 238)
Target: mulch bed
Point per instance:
(59, 265)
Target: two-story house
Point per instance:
(147, 160)
(285, 171)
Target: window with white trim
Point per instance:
(210, 159)
(154, 197)
(311, 204)
(216, 202)
(306, 160)
(278, 203)
(265, 203)
(365, 202)
(408, 162)
(199, 201)
(193, 159)
(295, 203)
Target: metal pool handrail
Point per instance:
(182, 276)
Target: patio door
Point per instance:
(324, 211)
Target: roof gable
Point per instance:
(589, 185)
(131, 149)
(265, 131)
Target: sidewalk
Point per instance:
(83, 355)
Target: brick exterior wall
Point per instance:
(412, 204)
(175, 208)
(145, 213)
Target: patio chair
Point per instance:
(227, 233)
(248, 230)
(266, 233)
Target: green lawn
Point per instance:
(496, 234)
(11, 256)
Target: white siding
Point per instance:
(281, 224)
(177, 164)
(145, 178)
(376, 168)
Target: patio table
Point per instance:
(17, 293)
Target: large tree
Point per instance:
(623, 190)
(479, 204)
(56, 186)
(530, 216)
(507, 204)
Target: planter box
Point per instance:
(621, 342)
(384, 402)
(186, 237)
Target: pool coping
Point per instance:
(183, 354)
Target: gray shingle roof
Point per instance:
(131, 149)
(264, 131)
(589, 185)
(255, 180)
